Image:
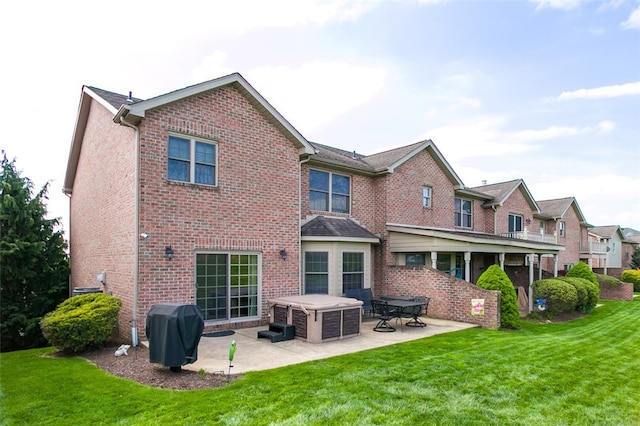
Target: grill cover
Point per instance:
(174, 331)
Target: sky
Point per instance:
(547, 91)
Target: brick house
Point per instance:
(207, 195)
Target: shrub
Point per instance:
(582, 270)
(588, 293)
(495, 278)
(81, 322)
(607, 279)
(561, 296)
(632, 276)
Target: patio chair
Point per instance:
(363, 294)
(382, 314)
(425, 302)
(415, 320)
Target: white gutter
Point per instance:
(136, 248)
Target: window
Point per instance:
(227, 285)
(515, 223)
(329, 192)
(426, 196)
(191, 160)
(414, 259)
(463, 213)
(316, 272)
(562, 230)
(542, 225)
(352, 271)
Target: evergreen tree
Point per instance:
(635, 258)
(34, 266)
(494, 278)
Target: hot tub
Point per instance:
(317, 317)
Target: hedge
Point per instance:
(632, 276)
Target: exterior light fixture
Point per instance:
(283, 254)
(168, 251)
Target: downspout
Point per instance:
(136, 248)
(299, 220)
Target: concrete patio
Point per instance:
(254, 354)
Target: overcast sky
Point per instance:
(543, 90)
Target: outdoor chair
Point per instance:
(382, 314)
(363, 294)
(425, 302)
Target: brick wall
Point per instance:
(102, 209)
(450, 297)
(623, 291)
(254, 208)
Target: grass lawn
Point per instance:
(583, 372)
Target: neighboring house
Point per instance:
(207, 195)
(611, 237)
(563, 219)
(629, 243)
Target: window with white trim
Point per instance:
(192, 160)
(352, 270)
(463, 213)
(426, 196)
(329, 192)
(227, 285)
(414, 259)
(316, 272)
(562, 230)
(515, 223)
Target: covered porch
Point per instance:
(467, 254)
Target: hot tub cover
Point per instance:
(174, 331)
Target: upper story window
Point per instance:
(426, 196)
(515, 223)
(561, 229)
(542, 225)
(329, 192)
(192, 160)
(463, 213)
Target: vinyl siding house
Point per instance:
(610, 239)
(207, 195)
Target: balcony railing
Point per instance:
(593, 247)
(531, 236)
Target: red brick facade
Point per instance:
(256, 207)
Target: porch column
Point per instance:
(555, 265)
(531, 258)
(540, 266)
(467, 268)
(501, 260)
(434, 259)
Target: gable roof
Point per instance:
(557, 208)
(322, 228)
(135, 112)
(499, 193)
(132, 111)
(382, 162)
(607, 231)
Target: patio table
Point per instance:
(400, 309)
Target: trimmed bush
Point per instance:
(582, 270)
(588, 293)
(82, 322)
(495, 278)
(561, 296)
(607, 279)
(632, 276)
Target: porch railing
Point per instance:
(532, 236)
(593, 247)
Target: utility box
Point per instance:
(174, 332)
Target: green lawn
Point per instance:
(583, 372)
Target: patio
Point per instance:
(254, 354)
